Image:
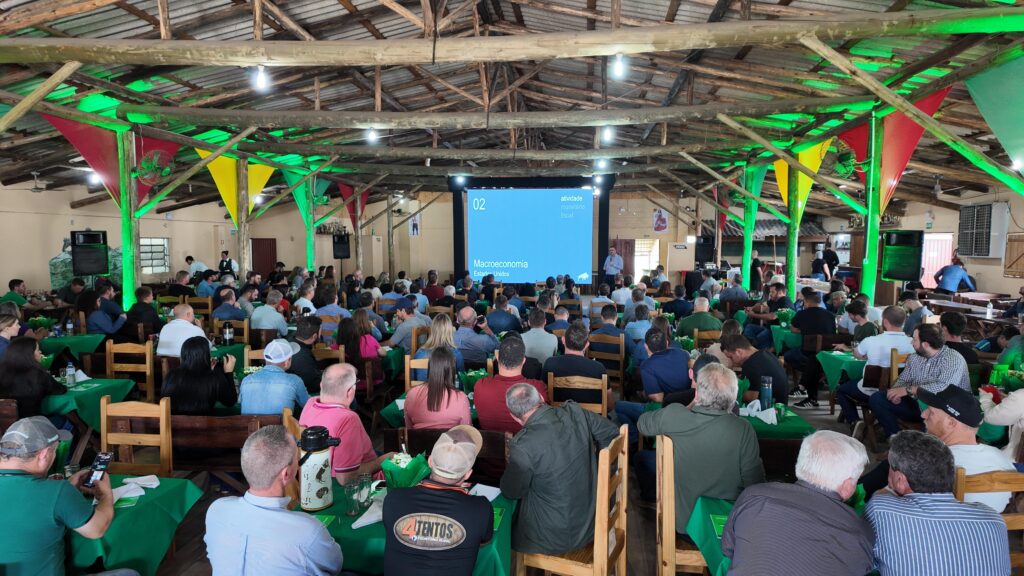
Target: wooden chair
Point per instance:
(595, 318)
(460, 298)
(895, 359)
(705, 338)
(327, 334)
(250, 356)
(260, 337)
(414, 364)
(811, 344)
(664, 299)
(418, 333)
(618, 357)
(8, 413)
(329, 355)
(435, 310)
(170, 301)
(675, 554)
(994, 482)
(241, 329)
(581, 383)
(116, 430)
(117, 364)
(575, 307)
(142, 331)
(609, 546)
(82, 327)
(199, 305)
(388, 303)
(559, 333)
(529, 301)
(874, 377)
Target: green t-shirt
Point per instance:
(13, 296)
(38, 511)
(699, 320)
(867, 330)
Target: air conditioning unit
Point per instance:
(983, 230)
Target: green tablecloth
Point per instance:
(394, 362)
(139, 536)
(994, 435)
(785, 338)
(363, 548)
(701, 527)
(481, 306)
(41, 322)
(76, 344)
(236, 350)
(792, 427)
(835, 364)
(395, 416)
(85, 399)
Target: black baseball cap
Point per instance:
(405, 304)
(956, 402)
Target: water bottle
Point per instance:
(69, 326)
(765, 395)
(988, 310)
(69, 375)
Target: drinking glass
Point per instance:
(352, 507)
(365, 480)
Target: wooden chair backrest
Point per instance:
(200, 305)
(991, 482)
(388, 303)
(574, 307)
(419, 335)
(460, 297)
(117, 364)
(260, 337)
(329, 354)
(933, 319)
(530, 301)
(580, 383)
(664, 299)
(814, 343)
(170, 301)
(116, 430)
(618, 357)
(414, 364)
(559, 333)
(670, 558)
(489, 366)
(705, 338)
(83, 327)
(8, 413)
(328, 333)
(142, 331)
(421, 441)
(895, 359)
(250, 356)
(241, 329)
(876, 377)
(435, 310)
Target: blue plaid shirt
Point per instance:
(270, 390)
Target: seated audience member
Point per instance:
(304, 300)
(637, 297)
(661, 373)
(474, 347)
(272, 388)
(603, 297)
(442, 335)
(143, 312)
(356, 335)
(953, 325)
(437, 403)
(180, 287)
(440, 499)
(1017, 308)
(502, 319)
(257, 532)
(304, 363)
(561, 320)
(635, 332)
(950, 537)
(69, 294)
(45, 508)
(397, 293)
(715, 452)
(681, 307)
(608, 328)
(229, 308)
(701, 319)
(570, 293)
(1009, 412)
(877, 350)
(96, 320)
(174, 334)
(333, 410)
(11, 309)
(489, 393)
(916, 312)
(872, 314)
(267, 317)
(810, 321)
(370, 287)
(836, 302)
(624, 293)
(932, 367)
(9, 327)
(328, 295)
(729, 328)
(540, 343)
(208, 285)
(954, 416)
(107, 302)
(756, 365)
(735, 291)
(664, 290)
(246, 296)
(447, 297)
(512, 294)
(999, 337)
(466, 289)
(833, 538)
(23, 378)
(552, 472)
(709, 285)
(227, 282)
(546, 305)
(575, 363)
(415, 293)
(197, 385)
(862, 327)
(433, 291)
(761, 336)
(18, 293)
(407, 317)
(377, 322)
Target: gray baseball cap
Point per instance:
(30, 435)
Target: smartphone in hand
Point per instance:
(99, 468)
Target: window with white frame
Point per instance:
(154, 255)
(646, 257)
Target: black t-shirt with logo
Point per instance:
(434, 530)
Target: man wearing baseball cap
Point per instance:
(272, 389)
(953, 416)
(408, 317)
(39, 510)
(437, 527)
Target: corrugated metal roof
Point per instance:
(766, 227)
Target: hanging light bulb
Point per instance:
(95, 179)
(460, 180)
(619, 67)
(1016, 165)
(258, 200)
(598, 178)
(261, 80)
(602, 164)
(371, 136)
(608, 134)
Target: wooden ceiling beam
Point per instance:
(35, 13)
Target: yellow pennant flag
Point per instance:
(225, 175)
(811, 158)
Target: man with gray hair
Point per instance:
(474, 346)
(715, 452)
(832, 538)
(552, 471)
(701, 319)
(267, 317)
(257, 534)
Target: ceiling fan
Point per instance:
(937, 190)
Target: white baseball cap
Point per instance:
(280, 350)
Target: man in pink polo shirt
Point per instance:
(355, 454)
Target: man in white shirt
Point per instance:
(175, 332)
(877, 350)
(267, 317)
(622, 295)
(953, 416)
(540, 344)
(195, 267)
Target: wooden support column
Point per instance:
(358, 235)
(391, 236)
(244, 246)
(131, 271)
(873, 199)
(307, 222)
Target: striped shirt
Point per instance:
(935, 374)
(934, 534)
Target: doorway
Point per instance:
(646, 257)
(936, 253)
(264, 255)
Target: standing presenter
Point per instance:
(612, 266)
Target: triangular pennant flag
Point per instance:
(811, 158)
(98, 146)
(225, 175)
(900, 136)
(301, 194)
(151, 155)
(998, 93)
(346, 193)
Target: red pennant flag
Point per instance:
(900, 138)
(346, 193)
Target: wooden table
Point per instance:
(975, 297)
(947, 306)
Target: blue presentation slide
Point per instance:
(525, 235)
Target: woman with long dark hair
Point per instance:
(198, 383)
(96, 320)
(437, 404)
(23, 378)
